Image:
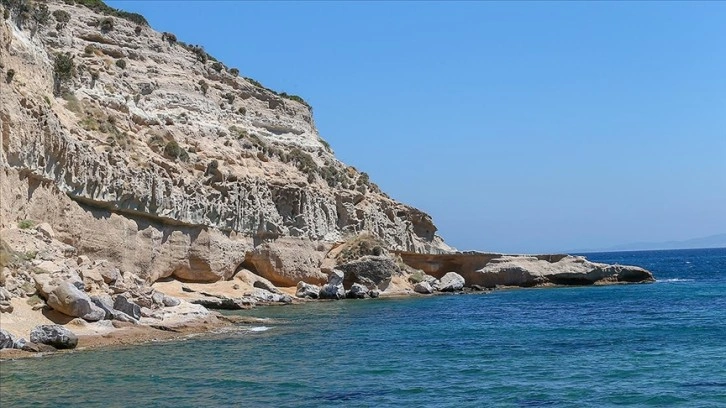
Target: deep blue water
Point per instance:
(661, 344)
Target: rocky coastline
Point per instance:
(144, 184)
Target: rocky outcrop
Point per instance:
(491, 270)
(54, 335)
(371, 271)
(167, 166)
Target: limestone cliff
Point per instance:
(148, 152)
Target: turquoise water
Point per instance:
(661, 344)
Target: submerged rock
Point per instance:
(54, 335)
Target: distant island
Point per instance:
(711, 241)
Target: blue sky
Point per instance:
(520, 127)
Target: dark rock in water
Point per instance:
(306, 290)
(54, 335)
(127, 306)
(69, 300)
(450, 282)
(7, 340)
(371, 271)
(357, 291)
(374, 293)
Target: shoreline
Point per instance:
(127, 334)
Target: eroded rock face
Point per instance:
(163, 177)
(7, 340)
(54, 335)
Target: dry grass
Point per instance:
(361, 245)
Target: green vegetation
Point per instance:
(168, 37)
(229, 96)
(242, 110)
(106, 24)
(203, 86)
(62, 17)
(25, 224)
(217, 66)
(234, 71)
(101, 7)
(137, 30)
(63, 71)
(303, 161)
(9, 75)
(121, 63)
(173, 150)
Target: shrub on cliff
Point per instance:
(168, 37)
(9, 75)
(62, 17)
(217, 66)
(101, 7)
(234, 71)
(121, 63)
(63, 71)
(106, 24)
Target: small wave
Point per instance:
(675, 280)
(258, 329)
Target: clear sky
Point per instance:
(520, 127)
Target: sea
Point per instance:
(644, 345)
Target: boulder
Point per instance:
(357, 291)
(125, 305)
(306, 290)
(334, 288)
(450, 282)
(105, 303)
(374, 293)
(70, 301)
(54, 335)
(330, 291)
(7, 340)
(44, 284)
(423, 288)
(46, 230)
(371, 271)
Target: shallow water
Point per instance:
(661, 344)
